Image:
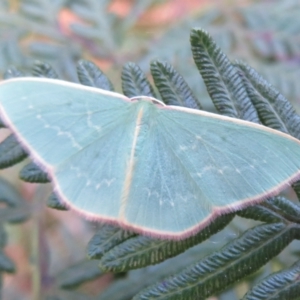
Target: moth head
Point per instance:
(149, 99)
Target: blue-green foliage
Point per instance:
(13, 209)
(94, 31)
(281, 285)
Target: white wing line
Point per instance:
(176, 219)
(184, 167)
(205, 142)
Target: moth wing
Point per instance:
(80, 135)
(196, 165)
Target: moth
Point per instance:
(165, 171)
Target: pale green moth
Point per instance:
(166, 171)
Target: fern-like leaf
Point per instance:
(214, 273)
(261, 213)
(42, 69)
(9, 195)
(105, 239)
(288, 209)
(141, 251)
(11, 152)
(13, 208)
(3, 236)
(2, 125)
(54, 202)
(281, 285)
(12, 72)
(267, 114)
(6, 265)
(14, 215)
(33, 173)
(134, 82)
(274, 109)
(296, 187)
(125, 287)
(223, 82)
(89, 74)
(172, 87)
(83, 271)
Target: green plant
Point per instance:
(34, 30)
(191, 268)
